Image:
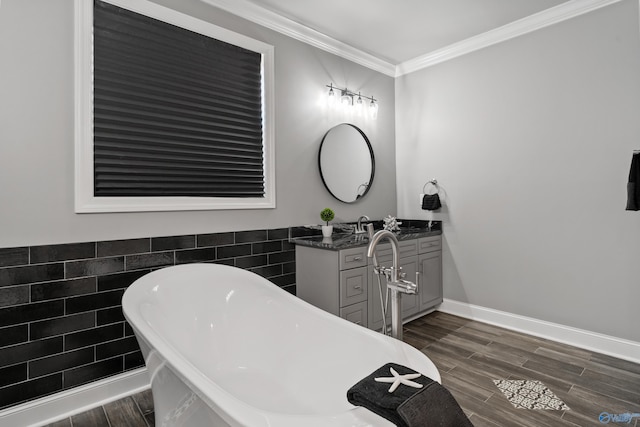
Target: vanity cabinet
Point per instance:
(335, 281)
(343, 281)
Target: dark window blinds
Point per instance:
(176, 113)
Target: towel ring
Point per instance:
(433, 182)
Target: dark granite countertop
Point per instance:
(340, 241)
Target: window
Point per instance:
(172, 113)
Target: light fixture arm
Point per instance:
(347, 92)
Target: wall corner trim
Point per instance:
(545, 18)
(593, 341)
(49, 409)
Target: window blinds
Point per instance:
(176, 113)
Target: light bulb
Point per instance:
(345, 99)
(373, 109)
(332, 96)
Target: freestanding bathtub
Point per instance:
(226, 347)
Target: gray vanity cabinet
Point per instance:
(335, 281)
(342, 282)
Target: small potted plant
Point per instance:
(327, 215)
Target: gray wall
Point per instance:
(36, 134)
(531, 141)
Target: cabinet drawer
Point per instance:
(352, 258)
(429, 244)
(356, 313)
(406, 248)
(353, 286)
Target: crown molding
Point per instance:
(280, 24)
(273, 21)
(531, 23)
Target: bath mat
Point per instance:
(529, 394)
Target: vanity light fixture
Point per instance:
(353, 100)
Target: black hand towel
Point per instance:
(431, 405)
(633, 187)
(431, 202)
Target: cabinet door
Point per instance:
(430, 288)
(410, 302)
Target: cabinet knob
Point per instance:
(357, 287)
(357, 258)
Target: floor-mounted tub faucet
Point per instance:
(395, 278)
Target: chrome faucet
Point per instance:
(395, 278)
(359, 227)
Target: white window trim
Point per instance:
(85, 201)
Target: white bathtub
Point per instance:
(225, 346)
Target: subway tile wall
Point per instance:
(61, 321)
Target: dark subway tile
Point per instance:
(159, 259)
(123, 247)
(128, 330)
(290, 288)
(30, 350)
(94, 267)
(251, 261)
(305, 231)
(110, 315)
(116, 348)
(282, 257)
(14, 256)
(228, 261)
(195, 255)
(278, 234)
(93, 336)
(288, 246)
(173, 242)
(62, 288)
(14, 335)
(13, 374)
(31, 312)
(216, 239)
(92, 372)
(31, 274)
(133, 360)
(13, 295)
(251, 236)
(95, 301)
(119, 280)
(289, 267)
(233, 251)
(270, 271)
(51, 253)
(266, 247)
(284, 280)
(62, 325)
(30, 389)
(60, 362)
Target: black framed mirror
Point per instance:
(346, 162)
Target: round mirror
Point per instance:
(346, 162)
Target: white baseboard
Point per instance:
(61, 405)
(600, 343)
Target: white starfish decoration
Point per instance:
(398, 379)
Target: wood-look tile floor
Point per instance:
(470, 355)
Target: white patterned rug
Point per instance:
(529, 394)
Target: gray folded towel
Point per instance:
(431, 405)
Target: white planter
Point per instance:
(327, 230)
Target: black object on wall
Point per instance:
(633, 186)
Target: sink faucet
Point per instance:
(359, 227)
(395, 278)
